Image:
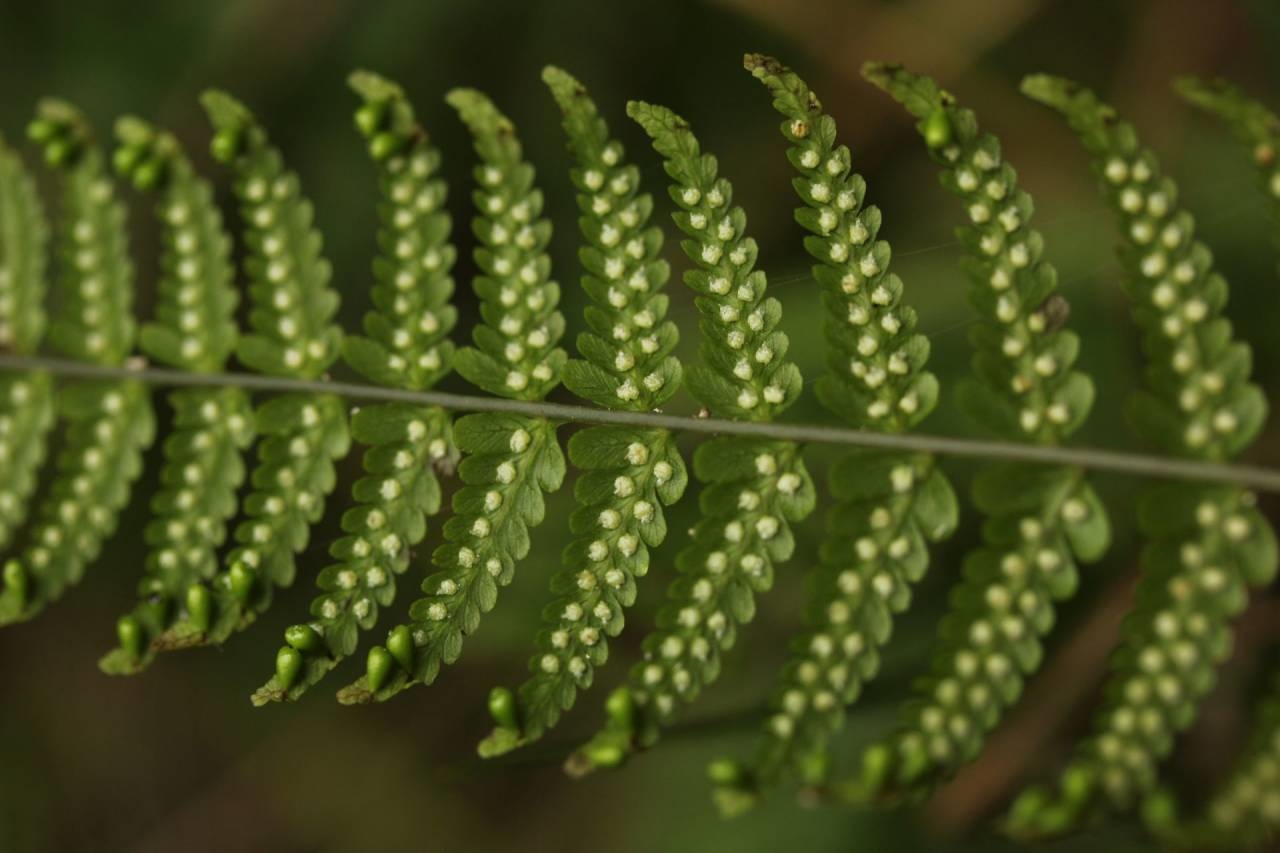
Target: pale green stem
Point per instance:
(1247, 476)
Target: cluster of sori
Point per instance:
(887, 505)
(1206, 544)
(510, 461)
(629, 473)
(108, 423)
(755, 488)
(194, 329)
(405, 346)
(26, 399)
(1244, 811)
(291, 334)
(1040, 519)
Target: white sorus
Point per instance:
(767, 527)
(519, 441)
(1019, 255)
(788, 483)
(1074, 510)
(624, 486)
(637, 453)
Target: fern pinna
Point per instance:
(194, 330)
(628, 474)
(291, 308)
(754, 487)
(1208, 543)
(108, 423)
(406, 347)
(1039, 519)
(1252, 123)
(1244, 810)
(26, 398)
(888, 504)
(510, 460)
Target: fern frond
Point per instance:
(407, 347)
(291, 310)
(754, 487)
(1206, 544)
(26, 399)
(510, 461)
(888, 504)
(630, 474)
(194, 329)
(1041, 519)
(109, 424)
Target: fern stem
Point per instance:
(1256, 477)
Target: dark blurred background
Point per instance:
(179, 760)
